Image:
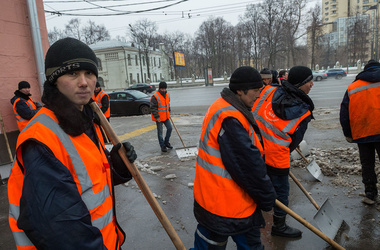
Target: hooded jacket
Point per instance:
(23, 109)
(362, 97)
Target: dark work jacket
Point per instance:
(238, 153)
(372, 74)
(47, 171)
(22, 108)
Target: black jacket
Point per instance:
(22, 108)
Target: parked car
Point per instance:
(319, 75)
(129, 102)
(337, 73)
(143, 87)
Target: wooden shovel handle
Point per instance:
(177, 132)
(139, 180)
(308, 225)
(304, 190)
(303, 157)
(6, 138)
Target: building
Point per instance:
(122, 64)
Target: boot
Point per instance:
(370, 194)
(279, 228)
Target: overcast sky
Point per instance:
(184, 15)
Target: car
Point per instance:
(143, 87)
(319, 75)
(337, 73)
(129, 102)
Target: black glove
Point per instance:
(117, 162)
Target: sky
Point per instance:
(184, 15)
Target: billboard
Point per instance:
(179, 60)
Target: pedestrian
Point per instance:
(266, 75)
(24, 107)
(283, 75)
(103, 100)
(160, 112)
(275, 79)
(60, 189)
(283, 113)
(231, 184)
(359, 118)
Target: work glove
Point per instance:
(349, 139)
(118, 163)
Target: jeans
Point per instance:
(169, 129)
(281, 186)
(367, 160)
(207, 240)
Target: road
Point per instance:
(175, 194)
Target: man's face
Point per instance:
(163, 90)
(267, 80)
(285, 76)
(77, 86)
(97, 89)
(25, 91)
(249, 98)
(307, 87)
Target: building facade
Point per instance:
(122, 64)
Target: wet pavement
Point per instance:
(144, 231)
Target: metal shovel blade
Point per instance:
(186, 152)
(304, 150)
(108, 146)
(328, 220)
(315, 170)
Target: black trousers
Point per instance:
(367, 153)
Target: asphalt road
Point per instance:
(189, 105)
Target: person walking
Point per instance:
(103, 100)
(60, 189)
(282, 114)
(231, 184)
(160, 112)
(24, 107)
(359, 118)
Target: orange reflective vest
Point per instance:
(88, 166)
(214, 188)
(275, 131)
(98, 99)
(163, 106)
(364, 108)
(21, 122)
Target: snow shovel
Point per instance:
(304, 149)
(312, 167)
(308, 225)
(185, 151)
(327, 219)
(139, 180)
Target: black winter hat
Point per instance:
(66, 55)
(162, 85)
(245, 77)
(23, 84)
(371, 63)
(97, 84)
(299, 75)
(266, 73)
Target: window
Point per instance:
(131, 77)
(144, 77)
(326, 14)
(137, 61)
(326, 3)
(154, 60)
(326, 19)
(334, 6)
(100, 68)
(358, 1)
(334, 11)
(327, 8)
(159, 62)
(129, 60)
(143, 60)
(138, 77)
(111, 56)
(365, 1)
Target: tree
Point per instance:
(94, 33)
(314, 32)
(55, 35)
(72, 29)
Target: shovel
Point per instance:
(327, 219)
(139, 180)
(312, 167)
(308, 225)
(185, 151)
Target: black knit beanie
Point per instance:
(66, 55)
(266, 73)
(245, 77)
(97, 84)
(23, 84)
(371, 63)
(299, 75)
(162, 85)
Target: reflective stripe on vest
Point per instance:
(99, 203)
(21, 122)
(364, 108)
(275, 131)
(163, 106)
(98, 100)
(214, 188)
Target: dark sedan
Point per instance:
(337, 73)
(143, 87)
(129, 102)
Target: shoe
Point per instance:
(370, 191)
(168, 145)
(280, 228)
(164, 149)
